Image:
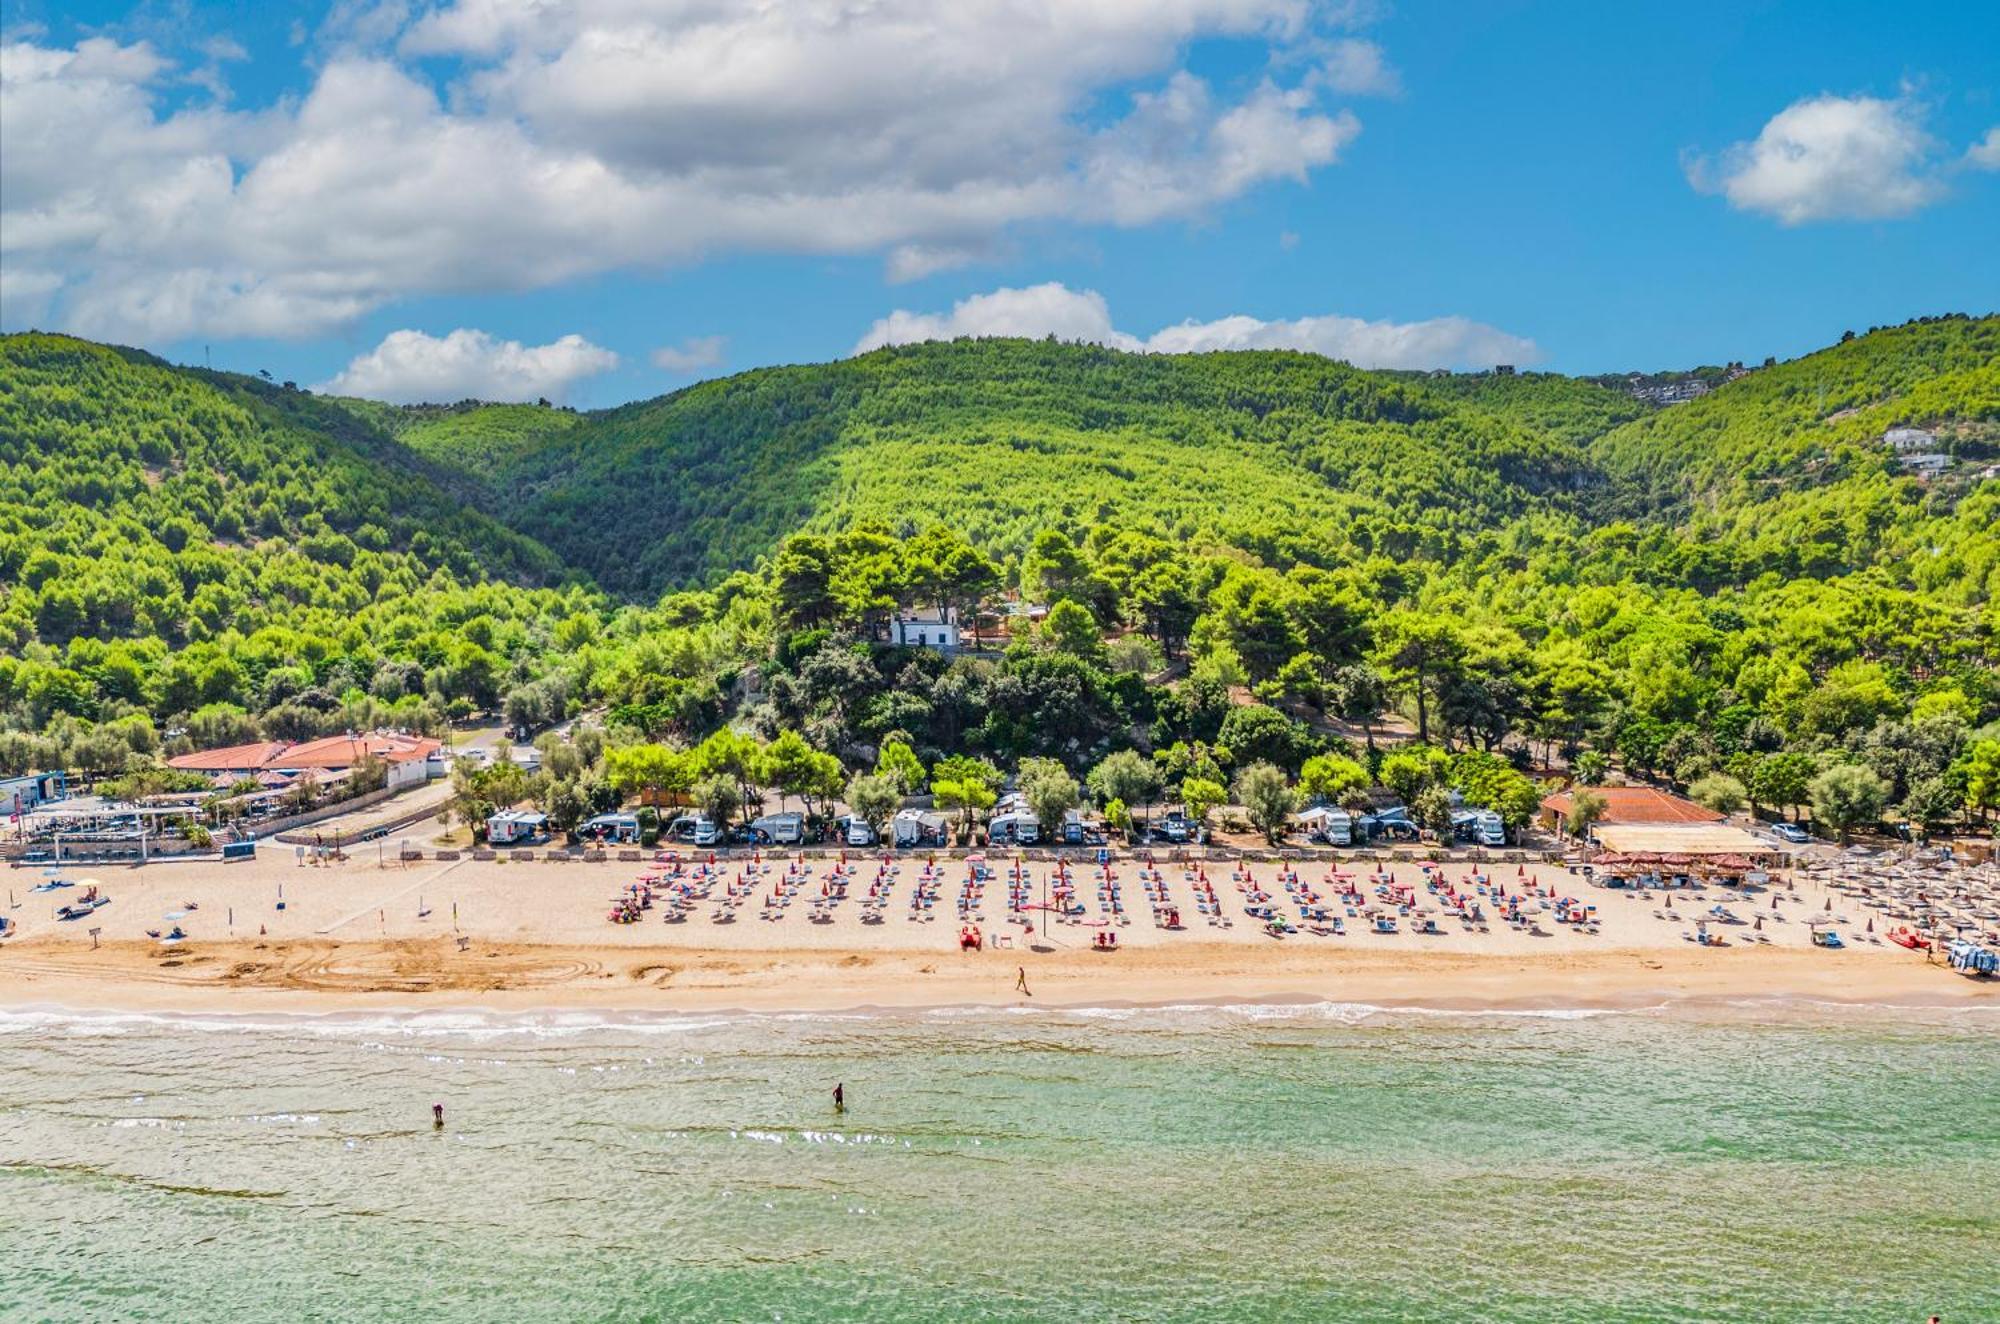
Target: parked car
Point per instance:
(1791, 832)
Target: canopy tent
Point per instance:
(1691, 840)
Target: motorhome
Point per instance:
(918, 827)
(1481, 826)
(514, 827)
(854, 830)
(1334, 826)
(1488, 828)
(610, 827)
(779, 829)
(1013, 829)
(695, 829)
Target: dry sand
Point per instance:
(522, 936)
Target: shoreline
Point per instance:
(414, 978)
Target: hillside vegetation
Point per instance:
(1288, 455)
(1814, 420)
(1748, 588)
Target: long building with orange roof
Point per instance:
(411, 759)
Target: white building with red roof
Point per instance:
(411, 760)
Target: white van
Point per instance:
(858, 831)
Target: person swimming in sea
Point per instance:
(437, 1117)
(840, 1098)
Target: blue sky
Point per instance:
(331, 192)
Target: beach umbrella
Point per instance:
(1829, 903)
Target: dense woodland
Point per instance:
(1250, 561)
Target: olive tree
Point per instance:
(1268, 797)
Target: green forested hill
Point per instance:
(474, 439)
(1813, 421)
(173, 535)
(1290, 455)
(1571, 410)
(1748, 584)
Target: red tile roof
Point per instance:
(346, 751)
(329, 753)
(230, 758)
(1636, 804)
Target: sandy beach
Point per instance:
(520, 936)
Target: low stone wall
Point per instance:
(345, 839)
(1076, 855)
(277, 827)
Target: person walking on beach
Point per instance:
(839, 1098)
(1021, 981)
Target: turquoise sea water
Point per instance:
(1213, 1164)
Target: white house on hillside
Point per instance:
(926, 629)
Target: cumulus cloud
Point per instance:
(1829, 158)
(1359, 68)
(695, 354)
(410, 367)
(1051, 309)
(1055, 309)
(1985, 154)
(573, 137)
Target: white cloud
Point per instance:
(1055, 309)
(1051, 309)
(908, 262)
(1358, 67)
(1985, 154)
(1440, 342)
(1829, 158)
(575, 137)
(694, 354)
(410, 367)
